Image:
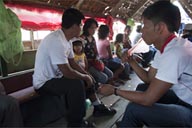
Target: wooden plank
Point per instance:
(109, 121)
(17, 82)
(110, 100)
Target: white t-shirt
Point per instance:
(54, 49)
(174, 66)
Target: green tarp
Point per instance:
(10, 35)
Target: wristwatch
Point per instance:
(115, 91)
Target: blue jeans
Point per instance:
(158, 115)
(164, 113)
(101, 77)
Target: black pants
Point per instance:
(74, 92)
(168, 98)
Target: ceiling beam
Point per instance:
(187, 7)
(141, 5)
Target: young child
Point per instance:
(80, 57)
(118, 46)
(99, 108)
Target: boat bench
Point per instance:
(36, 110)
(20, 86)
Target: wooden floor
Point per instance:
(113, 101)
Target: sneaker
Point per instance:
(87, 124)
(102, 110)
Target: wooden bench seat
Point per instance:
(17, 81)
(20, 86)
(36, 110)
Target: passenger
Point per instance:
(126, 40)
(105, 53)
(165, 100)
(187, 32)
(119, 51)
(10, 115)
(99, 108)
(137, 36)
(79, 55)
(90, 50)
(56, 72)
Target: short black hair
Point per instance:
(119, 38)
(70, 17)
(139, 27)
(166, 12)
(87, 25)
(103, 31)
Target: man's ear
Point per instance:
(73, 26)
(160, 27)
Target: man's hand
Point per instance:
(127, 56)
(106, 89)
(88, 79)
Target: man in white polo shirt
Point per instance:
(167, 100)
(56, 72)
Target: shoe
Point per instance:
(102, 110)
(88, 124)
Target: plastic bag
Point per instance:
(10, 37)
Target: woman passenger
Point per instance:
(105, 54)
(91, 53)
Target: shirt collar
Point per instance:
(167, 41)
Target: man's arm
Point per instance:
(156, 90)
(70, 73)
(75, 66)
(74, 71)
(145, 76)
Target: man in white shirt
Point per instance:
(56, 72)
(171, 71)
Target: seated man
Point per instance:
(10, 115)
(166, 98)
(56, 72)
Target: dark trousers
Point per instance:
(73, 91)
(169, 111)
(169, 98)
(10, 115)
